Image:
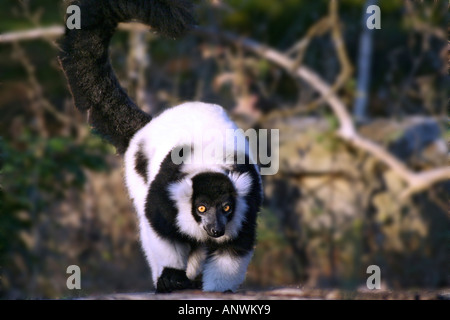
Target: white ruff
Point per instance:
(181, 194)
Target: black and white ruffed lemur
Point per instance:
(197, 219)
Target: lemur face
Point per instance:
(213, 202)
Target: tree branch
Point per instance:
(38, 33)
(416, 181)
(330, 24)
(57, 31)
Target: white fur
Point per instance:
(181, 193)
(135, 183)
(241, 182)
(161, 253)
(176, 127)
(195, 263)
(225, 272)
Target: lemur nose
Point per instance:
(217, 233)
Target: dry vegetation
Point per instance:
(350, 192)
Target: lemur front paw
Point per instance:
(173, 279)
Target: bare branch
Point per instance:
(57, 31)
(416, 182)
(328, 24)
(299, 48)
(38, 33)
(339, 44)
(35, 92)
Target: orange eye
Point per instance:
(226, 208)
(201, 209)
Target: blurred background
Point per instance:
(333, 208)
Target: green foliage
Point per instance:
(278, 23)
(35, 173)
(269, 229)
(12, 13)
(49, 165)
(274, 262)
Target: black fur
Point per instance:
(141, 163)
(212, 188)
(84, 58)
(246, 238)
(173, 279)
(160, 209)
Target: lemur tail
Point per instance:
(84, 58)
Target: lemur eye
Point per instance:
(226, 208)
(201, 209)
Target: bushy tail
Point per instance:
(85, 59)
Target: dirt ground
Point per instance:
(286, 294)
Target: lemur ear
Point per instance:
(242, 182)
(181, 190)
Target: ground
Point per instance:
(285, 293)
